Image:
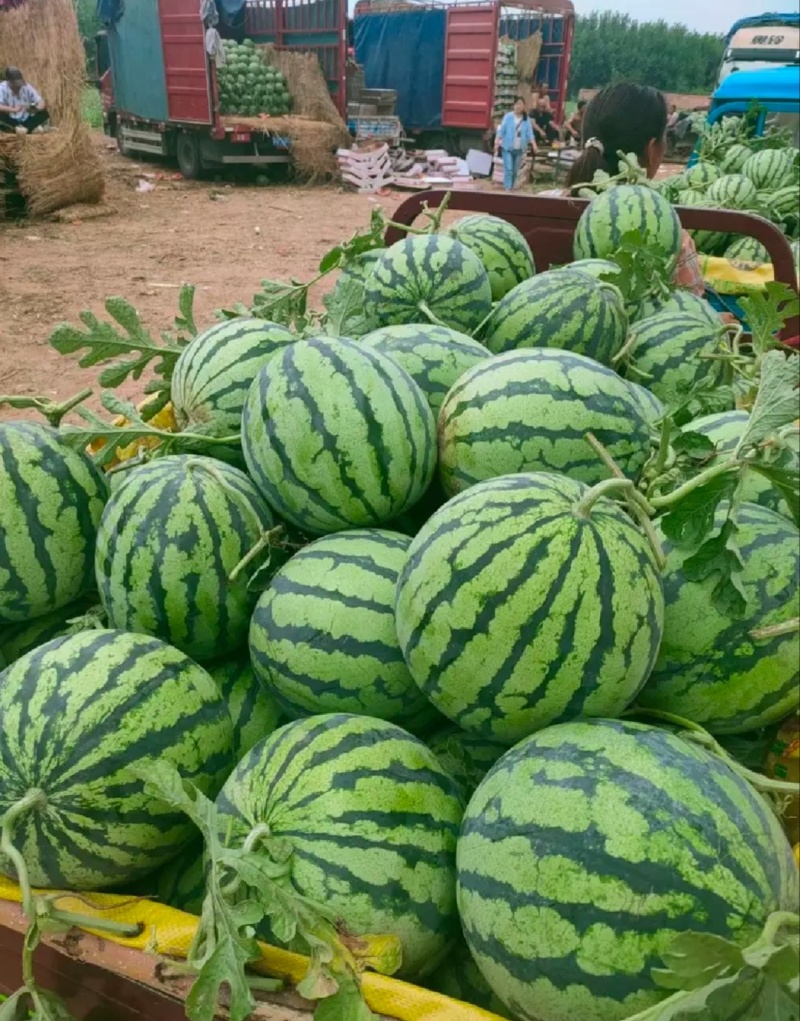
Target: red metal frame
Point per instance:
(470, 55)
(186, 64)
(549, 226)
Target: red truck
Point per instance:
(159, 86)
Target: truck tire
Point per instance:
(187, 153)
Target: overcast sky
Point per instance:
(711, 16)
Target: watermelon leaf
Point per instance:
(767, 311)
(720, 555)
(775, 405)
(690, 522)
(184, 320)
(785, 477)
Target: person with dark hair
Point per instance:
(22, 109)
(514, 138)
(630, 118)
(572, 128)
(543, 123)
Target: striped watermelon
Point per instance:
(214, 373)
(345, 303)
(733, 191)
(701, 175)
(372, 821)
(669, 348)
(601, 269)
(709, 668)
(51, 499)
(429, 277)
(520, 605)
(709, 242)
(77, 716)
(434, 356)
(168, 541)
(678, 301)
(563, 308)
(747, 250)
(503, 250)
(181, 883)
(322, 638)
(460, 979)
(770, 169)
(735, 158)
(337, 435)
(466, 758)
(795, 247)
(620, 210)
(590, 846)
(725, 429)
(650, 406)
(783, 203)
(254, 712)
(530, 411)
(17, 639)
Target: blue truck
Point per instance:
(761, 41)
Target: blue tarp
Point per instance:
(790, 18)
(109, 11)
(404, 51)
(230, 8)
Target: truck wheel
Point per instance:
(188, 156)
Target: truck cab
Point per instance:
(761, 42)
(776, 91)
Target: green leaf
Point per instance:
(720, 556)
(345, 308)
(331, 260)
(346, 1004)
(692, 519)
(50, 1008)
(184, 321)
(695, 445)
(776, 403)
(767, 311)
(16, 1007)
(786, 479)
(695, 959)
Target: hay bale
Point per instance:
(41, 37)
(528, 52)
(307, 85)
(314, 143)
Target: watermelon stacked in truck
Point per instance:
(249, 85)
(429, 631)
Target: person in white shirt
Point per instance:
(22, 109)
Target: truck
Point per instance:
(159, 86)
(761, 41)
(444, 61)
(772, 94)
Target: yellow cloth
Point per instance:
(727, 277)
(170, 932)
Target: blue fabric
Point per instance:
(109, 11)
(792, 18)
(404, 50)
(781, 84)
(511, 161)
(508, 131)
(230, 8)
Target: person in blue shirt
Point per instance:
(514, 138)
(22, 109)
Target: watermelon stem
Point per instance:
(429, 315)
(659, 502)
(34, 800)
(788, 627)
(263, 543)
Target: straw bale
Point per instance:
(306, 82)
(528, 53)
(60, 167)
(314, 143)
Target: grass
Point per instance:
(91, 107)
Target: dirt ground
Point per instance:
(223, 238)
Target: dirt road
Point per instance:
(221, 238)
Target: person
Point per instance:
(572, 128)
(514, 139)
(543, 125)
(631, 118)
(22, 109)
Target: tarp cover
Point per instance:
(787, 18)
(109, 11)
(404, 51)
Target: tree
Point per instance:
(612, 47)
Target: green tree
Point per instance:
(612, 47)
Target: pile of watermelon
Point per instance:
(401, 626)
(248, 84)
(744, 176)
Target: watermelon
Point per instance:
(725, 429)
(649, 405)
(213, 374)
(530, 411)
(254, 712)
(322, 637)
(576, 872)
(747, 250)
(668, 349)
(372, 821)
(505, 578)
(620, 210)
(733, 191)
(466, 758)
(429, 277)
(169, 538)
(735, 158)
(795, 247)
(17, 639)
(181, 883)
(783, 203)
(337, 435)
(460, 979)
(434, 356)
(503, 250)
(770, 169)
(706, 241)
(347, 316)
(602, 269)
(709, 668)
(51, 499)
(562, 308)
(77, 716)
(678, 301)
(701, 175)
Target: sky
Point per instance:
(709, 16)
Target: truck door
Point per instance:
(470, 51)
(186, 65)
